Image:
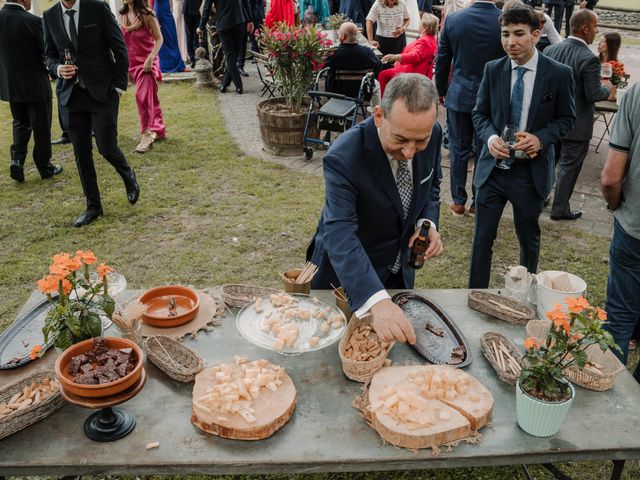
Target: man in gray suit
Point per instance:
(575, 53)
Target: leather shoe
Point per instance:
(131, 186)
(457, 210)
(239, 91)
(569, 216)
(87, 217)
(16, 171)
(547, 202)
(223, 89)
(57, 170)
(242, 72)
(61, 141)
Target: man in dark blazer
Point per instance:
(91, 89)
(575, 53)
(349, 56)
(470, 38)
(233, 21)
(24, 83)
(536, 94)
(382, 180)
(191, 12)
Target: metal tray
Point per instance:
(28, 329)
(435, 349)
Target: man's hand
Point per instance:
(435, 243)
(68, 71)
(528, 143)
(613, 90)
(250, 27)
(498, 149)
(199, 31)
(374, 44)
(442, 99)
(391, 324)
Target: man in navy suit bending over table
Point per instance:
(537, 96)
(382, 180)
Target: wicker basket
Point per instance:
(513, 312)
(587, 378)
(240, 295)
(173, 357)
(360, 371)
(486, 342)
(16, 421)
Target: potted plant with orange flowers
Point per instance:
(78, 299)
(543, 394)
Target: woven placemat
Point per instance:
(209, 315)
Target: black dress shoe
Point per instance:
(546, 202)
(223, 89)
(569, 216)
(61, 141)
(132, 187)
(57, 170)
(239, 91)
(242, 72)
(87, 217)
(16, 171)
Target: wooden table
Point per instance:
(326, 434)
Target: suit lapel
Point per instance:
(380, 166)
(539, 86)
(505, 91)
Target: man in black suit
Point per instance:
(24, 83)
(575, 53)
(536, 94)
(91, 89)
(191, 19)
(349, 56)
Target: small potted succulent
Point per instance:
(543, 394)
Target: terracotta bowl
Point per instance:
(97, 391)
(157, 302)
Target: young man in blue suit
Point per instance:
(470, 38)
(536, 94)
(382, 180)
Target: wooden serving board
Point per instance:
(464, 415)
(272, 410)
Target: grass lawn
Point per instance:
(210, 215)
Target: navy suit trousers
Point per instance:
(502, 186)
(461, 135)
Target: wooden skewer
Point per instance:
(170, 358)
(498, 356)
(338, 293)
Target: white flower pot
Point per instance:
(538, 418)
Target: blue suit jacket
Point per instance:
(361, 227)
(469, 39)
(551, 115)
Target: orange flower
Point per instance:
(104, 270)
(531, 343)
(35, 352)
(87, 257)
(63, 261)
(58, 269)
(66, 286)
(557, 313)
(562, 323)
(48, 284)
(602, 315)
(577, 305)
(577, 336)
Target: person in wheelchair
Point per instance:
(349, 56)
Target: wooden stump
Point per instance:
(272, 411)
(282, 132)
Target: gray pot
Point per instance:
(539, 418)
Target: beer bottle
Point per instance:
(420, 246)
(67, 57)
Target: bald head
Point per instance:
(348, 33)
(584, 25)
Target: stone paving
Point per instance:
(239, 113)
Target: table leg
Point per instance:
(109, 424)
(525, 470)
(606, 129)
(618, 466)
(556, 472)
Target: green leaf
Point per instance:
(63, 340)
(108, 305)
(91, 325)
(73, 324)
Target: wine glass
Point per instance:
(606, 71)
(510, 137)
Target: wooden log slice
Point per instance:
(272, 410)
(464, 415)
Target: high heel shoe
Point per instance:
(145, 143)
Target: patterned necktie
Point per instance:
(73, 33)
(405, 189)
(517, 97)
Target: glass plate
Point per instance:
(250, 323)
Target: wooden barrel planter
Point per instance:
(282, 132)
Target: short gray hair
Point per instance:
(419, 93)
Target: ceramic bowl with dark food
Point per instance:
(99, 367)
(169, 306)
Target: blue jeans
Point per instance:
(623, 290)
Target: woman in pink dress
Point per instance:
(417, 57)
(142, 35)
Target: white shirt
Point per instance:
(529, 79)
(65, 17)
(578, 39)
(388, 18)
(549, 31)
(382, 294)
